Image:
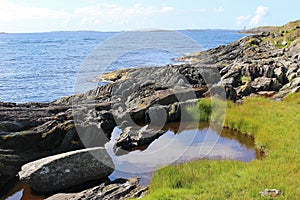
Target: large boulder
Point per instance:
(68, 169)
(32, 131)
(266, 84)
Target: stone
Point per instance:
(103, 106)
(228, 81)
(280, 74)
(157, 115)
(119, 189)
(270, 193)
(230, 93)
(245, 90)
(65, 170)
(266, 84)
(268, 71)
(133, 138)
(292, 76)
(266, 93)
(11, 126)
(284, 43)
(292, 70)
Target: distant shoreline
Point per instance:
(258, 30)
(78, 31)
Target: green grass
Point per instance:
(288, 33)
(245, 79)
(213, 110)
(276, 129)
(203, 112)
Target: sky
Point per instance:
(116, 15)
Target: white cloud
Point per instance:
(248, 20)
(243, 20)
(205, 10)
(167, 9)
(218, 10)
(96, 16)
(260, 13)
(117, 15)
(12, 12)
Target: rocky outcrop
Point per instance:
(116, 190)
(266, 64)
(62, 171)
(32, 131)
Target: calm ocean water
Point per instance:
(42, 67)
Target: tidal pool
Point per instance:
(181, 143)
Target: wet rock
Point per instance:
(109, 190)
(157, 115)
(68, 169)
(132, 138)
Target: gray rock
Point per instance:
(289, 88)
(116, 190)
(291, 70)
(284, 43)
(280, 74)
(270, 193)
(228, 81)
(268, 71)
(292, 76)
(245, 90)
(133, 138)
(68, 169)
(294, 83)
(266, 93)
(231, 93)
(11, 126)
(266, 84)
(157, 115)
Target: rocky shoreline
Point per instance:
(266, 64)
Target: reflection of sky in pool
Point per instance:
(173, 148)
(189, 144)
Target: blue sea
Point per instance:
(42, 67)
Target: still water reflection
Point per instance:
(182, 142)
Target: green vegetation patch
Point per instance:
(275, 127)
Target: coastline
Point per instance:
(254, 66)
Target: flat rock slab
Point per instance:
(116, 190)
(62, 171)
